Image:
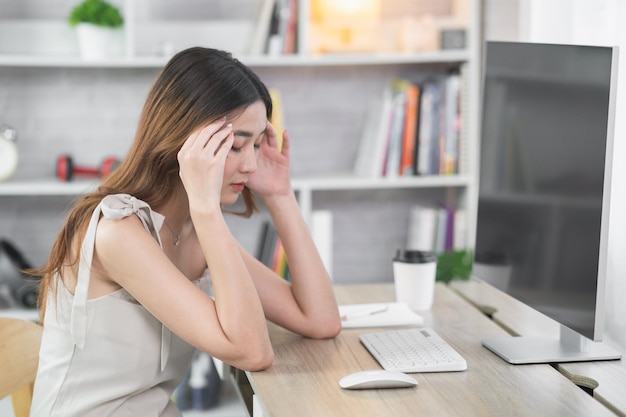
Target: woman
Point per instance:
(125, 297)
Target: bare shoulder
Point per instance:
(124, 241)
(111, 234)
(128, 256)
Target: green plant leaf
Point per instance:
(456, 264)
(96, 12)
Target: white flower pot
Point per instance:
(95, 42)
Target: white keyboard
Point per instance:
(413, 350)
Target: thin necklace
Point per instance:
(176, 235)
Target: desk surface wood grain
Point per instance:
(303, 381)
(607, 379)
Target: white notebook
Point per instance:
(378, 315)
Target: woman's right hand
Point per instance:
(201, 160)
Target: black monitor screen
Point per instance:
(542, 168)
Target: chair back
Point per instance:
(19, 357)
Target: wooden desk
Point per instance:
(303, 381)
(607, 379)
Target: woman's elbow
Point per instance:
(248, 356)
(332, 329)
(324, 330)
(258, 361)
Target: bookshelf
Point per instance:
(46, 87)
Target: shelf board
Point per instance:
(428, 57)
(69, 61)
(350, 182)
(52, 187)
(45, 187)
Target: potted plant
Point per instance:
(454, 264)
(96, 23)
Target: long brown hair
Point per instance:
(197, 86)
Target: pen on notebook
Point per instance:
(365, 312)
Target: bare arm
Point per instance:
(307, 305)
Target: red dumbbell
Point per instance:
(66, 170)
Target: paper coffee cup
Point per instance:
(414, 274)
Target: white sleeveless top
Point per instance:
(108, 356)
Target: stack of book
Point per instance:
(436, 229)
(412, 129)
(270, 250)
(276, 27)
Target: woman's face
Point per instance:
(249, 130)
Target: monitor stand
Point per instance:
(570, 347)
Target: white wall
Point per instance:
(586, 22)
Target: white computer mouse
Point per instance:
(378, 378)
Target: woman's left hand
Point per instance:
(271, 177)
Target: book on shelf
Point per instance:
(279, 259)
(260, 34)
(463, 156)
(428, 162)
(275, 36)
(275, 30)
(290, 40)
(459, 229)
(451, 125)
(396, 128)
(270, 250)
(267, 240)
(278, 114)
(421, 228)
(373, 141)
(440, 126)
(409, 154)
(413, 129)
(436, 229)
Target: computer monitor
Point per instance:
(545, 186)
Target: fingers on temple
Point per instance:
(225, 144)
(200, 137)
(212, 136)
